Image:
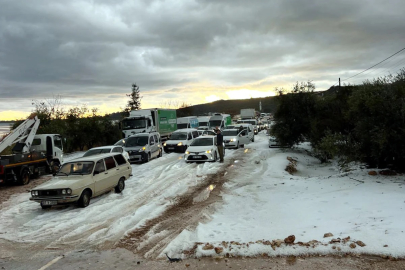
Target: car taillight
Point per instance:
(1, 169)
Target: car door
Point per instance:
(153, 147)
(123, 169)
(112, 173)
(243, 137)
(100, 177)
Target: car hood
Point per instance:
(134, 148)
(175, 141)
(231, 137)
(63, 182)
(199, 148)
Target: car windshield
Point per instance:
(79, 167)
(136, 141)
(93, 152)
(133, 124)
(229, 133)
(202, 142)
(178, 136)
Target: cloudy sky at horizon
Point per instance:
(90, 52)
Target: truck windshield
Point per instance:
(178, 136)
(202, 142)
(180, 126)
(136, 141)
(133, 123)
(215, 123)
(80, 167)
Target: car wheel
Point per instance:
(84, 200)
(253, 139)
(25, 177)
(215, 156)
(237, 146)
(160, 153)
(120, 186)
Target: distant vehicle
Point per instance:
(273, 143)
(203, 122)
(187, 122)
(247, 113)
(253, 122)
(208, 132)
(233, 138)
(180, 140)
(203, 149)
(84, 178)
(143, 147)
(106, 149)
(250, 130)
(220, 120)
(163, 121)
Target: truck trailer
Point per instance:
(163, 121)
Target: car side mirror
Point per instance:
(96, 172)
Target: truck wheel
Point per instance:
(25, 177)
(84, 200)
(120, 186)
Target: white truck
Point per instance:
(163, 121)
(247, 113)
(187, 122)
(32, 155)
(203, 122)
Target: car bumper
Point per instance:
(231, 144)
(138, 157)
(199, 157)
(56, 200)
(175, 148)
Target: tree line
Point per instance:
(364, 123)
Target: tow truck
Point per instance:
(32, 155)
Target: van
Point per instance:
(142, 147)
(220, 120)
(180, 140)
(249, 128)
(253, 122)
(187, 122)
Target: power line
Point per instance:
(374, 65)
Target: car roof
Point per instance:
(93, 157)
(185, 130)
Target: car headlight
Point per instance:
(233, 140)
(180, 144)
(142, 149)
(208, 151)
(68, 191)
(34, 193)
(63, 191)
(187, 153)
(164, 144)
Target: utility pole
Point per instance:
(339, 85)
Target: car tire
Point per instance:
(237, 146)
(215, 157)
(25, 177)
(84, 200)
(253, 139)
(160, 153)
(120, 186)
(147, 158)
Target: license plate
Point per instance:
(132, 156)
(197, 156)
(48, 202)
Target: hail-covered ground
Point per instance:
(260, 205)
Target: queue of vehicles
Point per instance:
(146, 134)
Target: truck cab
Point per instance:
(220, 120)
(187, 122)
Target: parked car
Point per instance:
(273, 143)
(81, 179)
(180, 140)
(106, 149)
(143, 147)
(235, 138)
(203, 148)
(208, 132)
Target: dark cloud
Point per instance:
(82, 48)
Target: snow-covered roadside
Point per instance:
(266, 203)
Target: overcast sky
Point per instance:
(90, 52)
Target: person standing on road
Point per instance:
(220, 145)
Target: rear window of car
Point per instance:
(109, 162)
(120, 159)
(93, 152)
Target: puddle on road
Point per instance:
(204, 195)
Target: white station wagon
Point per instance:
(81, 179)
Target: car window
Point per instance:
(136, 141)
(195, 134)
(110, 163)
(189, 137)
(117, 149)
(120, 159)
(156, 138)
(100, 167)
(79, 167)
(202, 142)
(151, 141)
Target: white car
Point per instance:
(180, 140)
(233, 138)
(203, 148)
(107, 149)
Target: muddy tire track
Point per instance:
(187, 212)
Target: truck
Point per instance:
(187, 122)
(220, 120)
(247, 113)
(203, 122)
(32, 154)
(163, 121)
